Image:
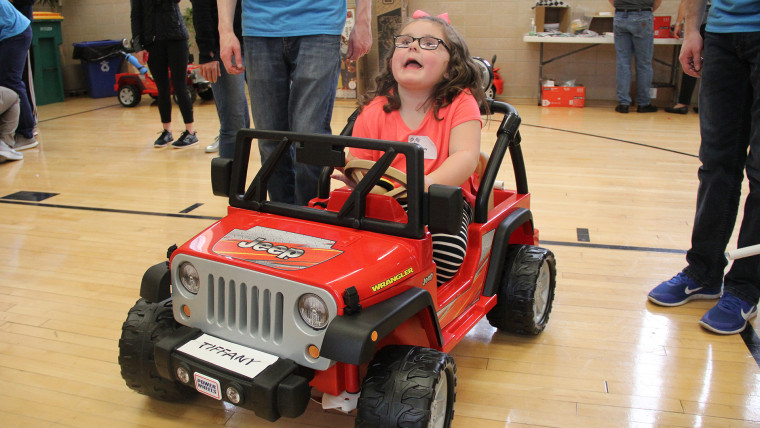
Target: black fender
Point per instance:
(496, 268)
(156, 283)
(353, 338)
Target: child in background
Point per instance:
(429, 94)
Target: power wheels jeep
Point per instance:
(274, 301)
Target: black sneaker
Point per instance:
(649, 108)
(163, 140)
(621, 108)
(185, 140)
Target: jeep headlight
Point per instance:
(313, 311)
(189, 278)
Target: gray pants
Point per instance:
(9, 111)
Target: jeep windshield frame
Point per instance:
(329, 151)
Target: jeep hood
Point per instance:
(322, 255)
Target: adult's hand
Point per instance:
(360, 39)
(691, 54)
(229, 51)
(210, 71)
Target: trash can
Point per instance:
(46, 68)
(101, 60)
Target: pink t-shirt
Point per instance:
(432, 135)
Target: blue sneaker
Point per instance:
(681, 289)
(729, 316)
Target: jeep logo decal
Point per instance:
(276, 248)
(280, 251)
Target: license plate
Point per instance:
(231, 356)
(208, 385)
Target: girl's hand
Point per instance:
(343, 178)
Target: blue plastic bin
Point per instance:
(101, 61)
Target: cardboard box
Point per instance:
(552, 15)
(601, 24)
(563, 96)
(662, 27)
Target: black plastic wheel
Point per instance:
(206, 95)
(146, 324)
(525, 296)
(408, 386)
(129, 96)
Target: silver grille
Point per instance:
(250, 308)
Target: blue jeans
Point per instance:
(292, 83)
(729, 115)
(13, 53)
(634, 36)
(232, 108)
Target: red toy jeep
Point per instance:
(275, 303)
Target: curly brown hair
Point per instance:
(462, 74)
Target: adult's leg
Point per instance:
(316, 62)
(9, 113)
(743, 279)
(724, 102)
(269, 87)
(623, 54)
(642, 28)
(232, 108)
(13, 53)
(158, 62)
(177, 56)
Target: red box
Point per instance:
(661, 27)
(563, 96)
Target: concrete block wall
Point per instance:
(490, 27)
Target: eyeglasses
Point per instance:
(427, 42)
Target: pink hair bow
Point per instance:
(421, 13)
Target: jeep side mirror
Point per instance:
(444, 209)
(221, 176)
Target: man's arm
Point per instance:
(656, 5)
(229, 45)
(360, 39)
(691, 50)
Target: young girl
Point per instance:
(159, 29)
(429, 94)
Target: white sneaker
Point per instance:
(213, 147)
(23, 143)
(8, 154)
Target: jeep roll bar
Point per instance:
(508, 136)
(229, 177)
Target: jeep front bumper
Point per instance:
(280, 389)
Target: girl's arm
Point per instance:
(464, 153)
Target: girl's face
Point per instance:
(416, 68)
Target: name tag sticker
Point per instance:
(431, 151)
(231, 356)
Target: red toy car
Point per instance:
(131, 86)
(275, 301)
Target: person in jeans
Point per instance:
(159, 29)
(633, 26)
(728, 61)
(229, 89)
(9, 111)
(15, 39)
(292, 64)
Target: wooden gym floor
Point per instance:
(613, 195)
